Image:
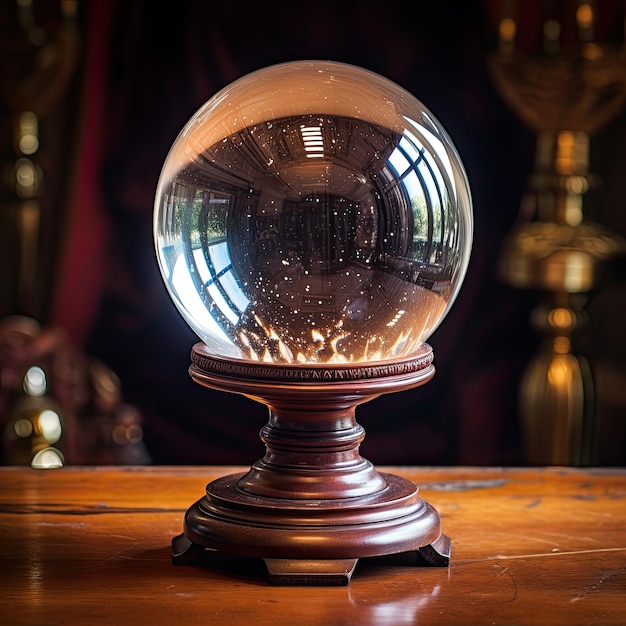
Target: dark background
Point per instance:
(142, 68)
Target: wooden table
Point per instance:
(92, 546)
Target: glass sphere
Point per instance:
(313, 212)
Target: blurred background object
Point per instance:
(60, 407)
(56, 405)
(39, 47)
(565, 88)
(127, 77)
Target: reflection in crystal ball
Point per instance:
(313, 212)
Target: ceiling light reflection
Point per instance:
(313, 141)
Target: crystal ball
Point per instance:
(313, 212)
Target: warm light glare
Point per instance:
(28, 142)
(559, 373)
(584, 15)
(48, 458)
(565, 152)
(575, 271)
(23, 428)
(561, 345)
(573, 209)
(507, 29)
(49, 424)
(25, 178)
(35, 383)
(560, 318)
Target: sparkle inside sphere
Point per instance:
(313, 212)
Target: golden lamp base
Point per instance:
(312, 506)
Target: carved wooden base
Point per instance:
(312, 506)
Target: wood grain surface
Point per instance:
(529, 546)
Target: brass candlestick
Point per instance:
(565, 94)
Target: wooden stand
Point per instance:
(312, 506)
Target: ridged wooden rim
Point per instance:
(206, 362)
